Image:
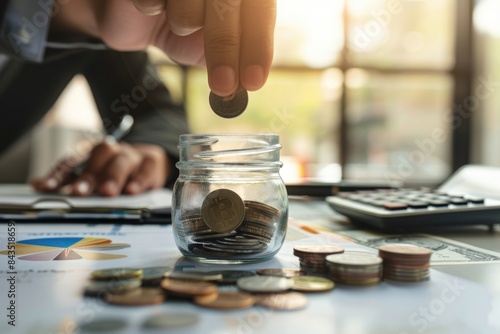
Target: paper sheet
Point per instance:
(49, 291)
(23, 194)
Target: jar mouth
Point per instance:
(230, 149)
(207, 137)
(249, 166)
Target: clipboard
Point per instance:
(23, 205)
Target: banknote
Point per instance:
(445, 251)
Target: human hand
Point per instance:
(112, 169)
(234, 38)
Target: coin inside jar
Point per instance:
(229, 106)
(223, 210)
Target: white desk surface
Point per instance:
(461, 298)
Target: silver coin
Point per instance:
(154, 273)
(232, 276)
(103, 325)
(170, 320)
(354, 259)
(264, 284)
(195, 275)
(229, 106)
(98, 287)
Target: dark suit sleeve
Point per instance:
(127, 83)
(24, 25)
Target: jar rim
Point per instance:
(227, 135)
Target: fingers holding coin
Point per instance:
(222, 45)
(258, 20)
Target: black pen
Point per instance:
(125, 126)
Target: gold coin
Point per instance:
(119, 273)
(137, 297)
(229, 106)
(223, 210)
(188, 288)
(226, 300)
(282, 301)
(312, 284)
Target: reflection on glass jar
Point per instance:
(230, 204)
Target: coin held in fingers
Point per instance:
(229, 106)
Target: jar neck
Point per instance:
(227, 171)
(218, 151)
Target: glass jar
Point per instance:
(230, 204)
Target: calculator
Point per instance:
(470, 196)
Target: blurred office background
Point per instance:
(405, 90)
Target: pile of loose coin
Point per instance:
(273, 288)
(397, 262)
(227, 226)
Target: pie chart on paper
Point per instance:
(62, 249)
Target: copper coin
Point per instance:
(305, 250)
(223, 210)
(281, 272)
(282, 301)
(405, 250)
(229, 106)
(188, 288)
(137, 297)
(312, 284)
(226, 300)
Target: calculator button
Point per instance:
(438, 203)
(417, 204)
(395, 206)
(458, 201)
(475, 200)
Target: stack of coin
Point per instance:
(312, 257)
(227, 226)
(355, 268)
(404, 262)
